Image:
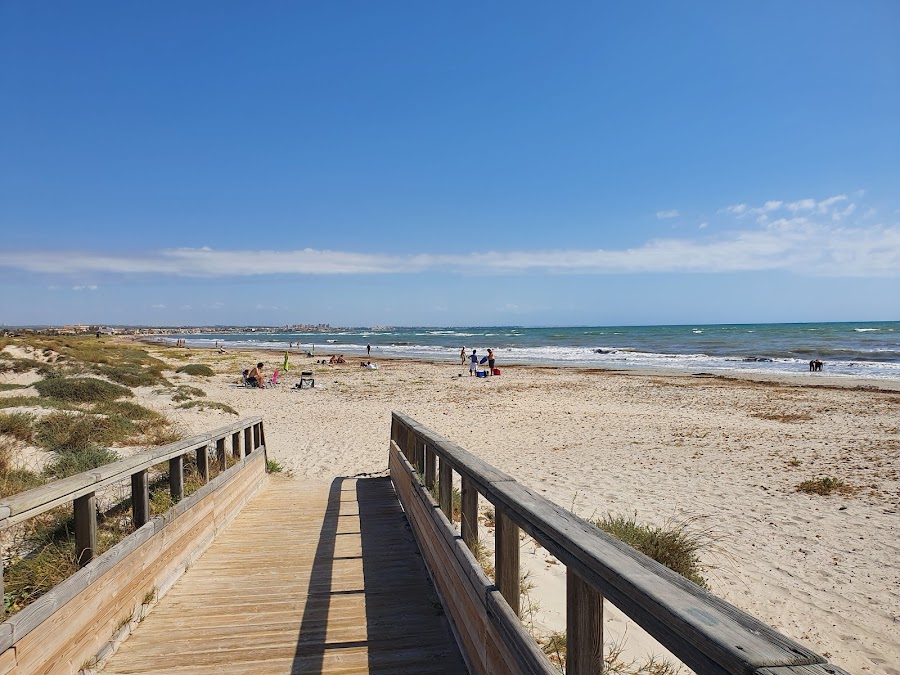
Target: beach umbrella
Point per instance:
(285, 361)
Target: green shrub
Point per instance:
(10, 387)
(215, 405)
(63, 432)
(824, 486)
(132, 375)
(81, 389)
(33, 402)
(14, 481)
(274, 466)
(196, 369)
(28, 578)
(70, 463)
(675, 545)
(128, 410)
(15, 365)
(17, 425)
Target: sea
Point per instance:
(853, 350)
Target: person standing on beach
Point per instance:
(462, 357)
(491, 361)
(368, 350)
(473, 365)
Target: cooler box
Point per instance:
(481, 373)
(496, 371)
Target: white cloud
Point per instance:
(92, 287)
(159, 306)
(804, 237)
(702, 226)
(671, 213)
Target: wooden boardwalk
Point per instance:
(309, 578)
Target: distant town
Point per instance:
(160, 330)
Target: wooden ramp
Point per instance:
(309, 578)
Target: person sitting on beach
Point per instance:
(332, 360)
(256, 377)
(340, 359)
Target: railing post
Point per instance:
(248, 441)
(255, 436)
(176, 478)
(236, 444)
(85, 528)
(584, 627)
(262, 434)
(429, 467)
(220, 453)
(506, 562)
(445, 488)
(203, 463)
(140, 499)
(469, 512)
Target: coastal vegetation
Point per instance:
(80, 415)
(677, 544)
(196, 369)
(825, 485)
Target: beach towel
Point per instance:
(285, 362)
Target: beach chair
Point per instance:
(274, 379)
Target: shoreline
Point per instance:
(800, 379)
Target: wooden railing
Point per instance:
(706, 633)
(81, 618)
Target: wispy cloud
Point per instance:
(92, 287)
(671, 213)
(804, 237)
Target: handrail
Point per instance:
(706, 633)
(19, 507)
(81, 488)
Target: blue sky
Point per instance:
(421, 163)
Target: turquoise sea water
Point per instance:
(870, 350)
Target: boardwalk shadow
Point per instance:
(386, 619)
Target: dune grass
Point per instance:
(18, 425)
(214, 405)
(825, 485)
(677, 545)
(11, 387)
(196, 369)
(81, 389)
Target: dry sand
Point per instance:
(729, 452)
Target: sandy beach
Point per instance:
(726, 454)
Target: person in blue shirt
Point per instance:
(473, 366)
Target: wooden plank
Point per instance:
(83, 615)
(203, 463)
(176, 478)
(236, 444)
(445, 488)
(506, 558)
(359, 601)
(584, 627)
(140, 499)
(495, 643)
(220, 454)
(469, 512)
(816, 669)
(16, 508)
(248, 441)
(705, 632)
(119, 590)
(429, 468)
(85, 528)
